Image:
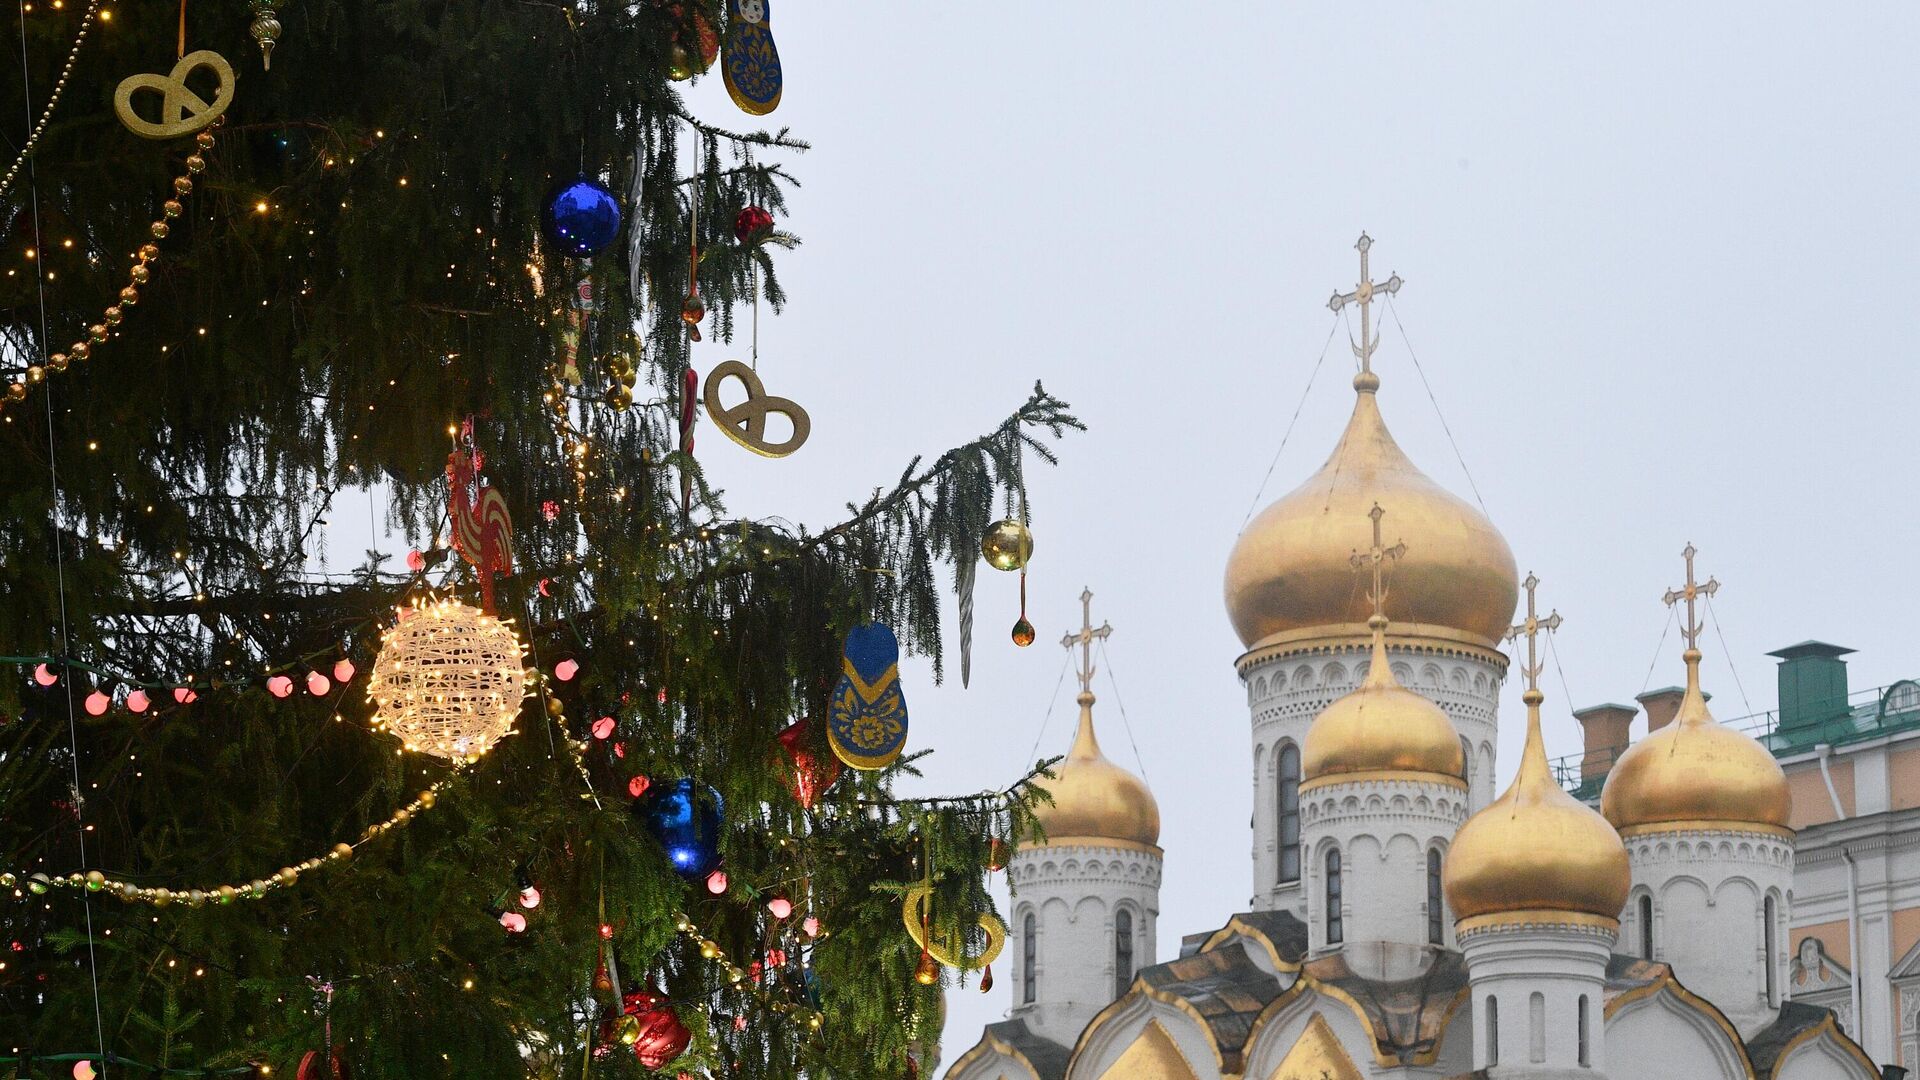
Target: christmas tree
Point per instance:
(220, 856)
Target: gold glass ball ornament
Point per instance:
(183, 184)
(17, 392)
(173, 208)
(112, 316)
(36, 373)
(149, 252)
(139, 275)
(1023, 633)
(129, 296)
(196, 163)
(680, 63)
(1008, 545)
(58, 361)
(159, 230)
(449, 680)
(97, 332)
(80, 350)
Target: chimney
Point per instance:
(1661, 704)
(1813, 684)
(1606, 731)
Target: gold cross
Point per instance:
(1378, 555)
(1532, 627)
(1085, 638)
(1689, 592)
(1363, 295)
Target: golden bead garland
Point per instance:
(96, 881)
(53, 99)
(138, 275)
(737, 975)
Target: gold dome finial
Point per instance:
(1288, 573)
(1092, 797)
(1536, 848)
(1694, 772)
(1381, 728)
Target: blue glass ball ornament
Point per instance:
(581, 218)
(684, 815)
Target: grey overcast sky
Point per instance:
(1661, 262)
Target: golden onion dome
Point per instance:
(1095, 799)
(1695, 770)
(1381, 727)
(1290, 569)
(1536, 848)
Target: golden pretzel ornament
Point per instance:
(182, 112)
(746, 423)
(950, 953)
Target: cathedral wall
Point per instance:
(1279, 1033)
(1287, 689)
(1075, 894)
(1710, 890)
(1383, 830)
(1821, 1058)
(1662, 1036)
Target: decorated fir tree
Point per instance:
(221, 856)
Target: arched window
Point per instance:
(1436, 921)
(1537, 1027)
(1646, 926)
(1122, 951)
(1029, 959)
(1585, 1055)
(1766, 936)
(1287, 771)
(1336, 933)
(1493, 1031)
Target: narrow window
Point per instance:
(1436, 923)
(1646, 926)
(1766, 935)
(1585, 1058)
(1493, 1031)
(1336, 933)
(1122, 951)
(1288, 770)
(1029, 955)
(1537, 1027)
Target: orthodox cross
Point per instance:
(1362, 294)
(1378, 555)
(1690, 592)
(1532, 627)
(1085, 638)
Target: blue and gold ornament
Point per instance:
(867, 716)
(751, 64)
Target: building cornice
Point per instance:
(1420, 638)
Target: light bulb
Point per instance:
(138, 701)
(317, 684)
(98, 703)
(280, 686)
(780, 906)
(717, 882)
(565, 670)
(530, 898)
(343, 671)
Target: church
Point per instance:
(1708, 902)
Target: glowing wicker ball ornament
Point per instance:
(448, 680)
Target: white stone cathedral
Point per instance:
(1407, 920)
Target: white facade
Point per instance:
(1384, 839)
(1720, 902)
(1539, 996)
(1288, 686)
(1081, 911)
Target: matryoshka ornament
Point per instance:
(750, 63)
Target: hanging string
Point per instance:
(1332, 329)
(1107, 664)
(1444, 426)
(1341, 462)
(1728, 653)
(1657, 650)
(755, 268)
(60, 561)
(1034, 754)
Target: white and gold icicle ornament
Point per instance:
(449, 680)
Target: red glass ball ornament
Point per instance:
(638, 786)
(662, 1036)
(748, 223)
(416, 562)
